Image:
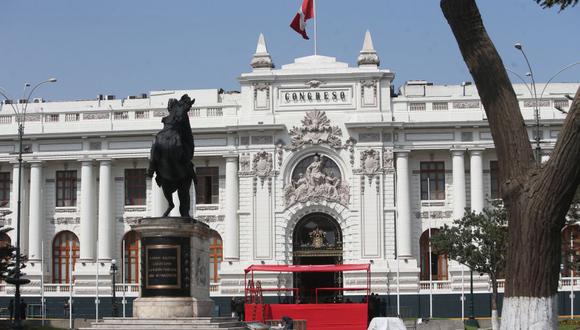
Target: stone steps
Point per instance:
(199, 323)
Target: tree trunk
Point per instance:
(536, 198)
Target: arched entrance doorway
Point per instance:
(317, 240)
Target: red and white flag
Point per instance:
(305, 12)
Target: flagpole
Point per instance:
(315, 27)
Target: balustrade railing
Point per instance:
(132, 289)
(72, 117)
(117, 115)
(437, 285)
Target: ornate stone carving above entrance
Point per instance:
(316, 129)
(263, 164)
(317, 238)
(316, 179)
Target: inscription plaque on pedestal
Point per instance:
(166, 266)
(163, 266)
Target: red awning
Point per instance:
(307, 268)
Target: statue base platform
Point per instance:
(200, 323)
(170, 308)
(174, 273)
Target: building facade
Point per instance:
(312, 163)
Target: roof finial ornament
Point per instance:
(262, 59)
(368, 55)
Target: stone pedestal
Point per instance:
(174, 271)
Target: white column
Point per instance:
(106, 215)
(404, 232)
(476, 175)
(231, 240)
(36, 214)
(88, 211)
(458, 183)
(23, 207)
(158, 202)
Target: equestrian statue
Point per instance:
(172, 155)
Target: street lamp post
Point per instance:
(537, 101)
(113, 273)
(16, 279)
(471, 321)
(537, 138)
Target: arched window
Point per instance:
(216, 256)
(63, 243)
(132, 245)
(571, 250)
(438, 266)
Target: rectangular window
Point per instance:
(66, 188)
(440, 106)
(561, 103)
(495, 192)
(4, 189)
(416, 106)
(432, 180)
(207, 191)
(135, 186)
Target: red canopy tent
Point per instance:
(317, 315)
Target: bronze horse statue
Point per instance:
(172, 155)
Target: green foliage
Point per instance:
(8, 259)
(554, 3)
(478, 240)
(7, 254)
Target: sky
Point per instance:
(130, 47)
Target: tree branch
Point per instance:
(499, 100)
(561, 174)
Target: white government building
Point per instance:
(314, 162)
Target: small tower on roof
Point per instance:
(261, 59)
(368, 55)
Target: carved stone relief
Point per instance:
(349, 145)
(465, 104)
(280, 152)
(202, 207)
(245, 163)
(316, 179)
(370, 88)
(66, 221)
(210, 218)
(370, 161)
(316, 129)
(96, 115)
(263, 164)
(314, 83)
(433, 214)
(388, 161)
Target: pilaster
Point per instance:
(232, 225)
(404, 225)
